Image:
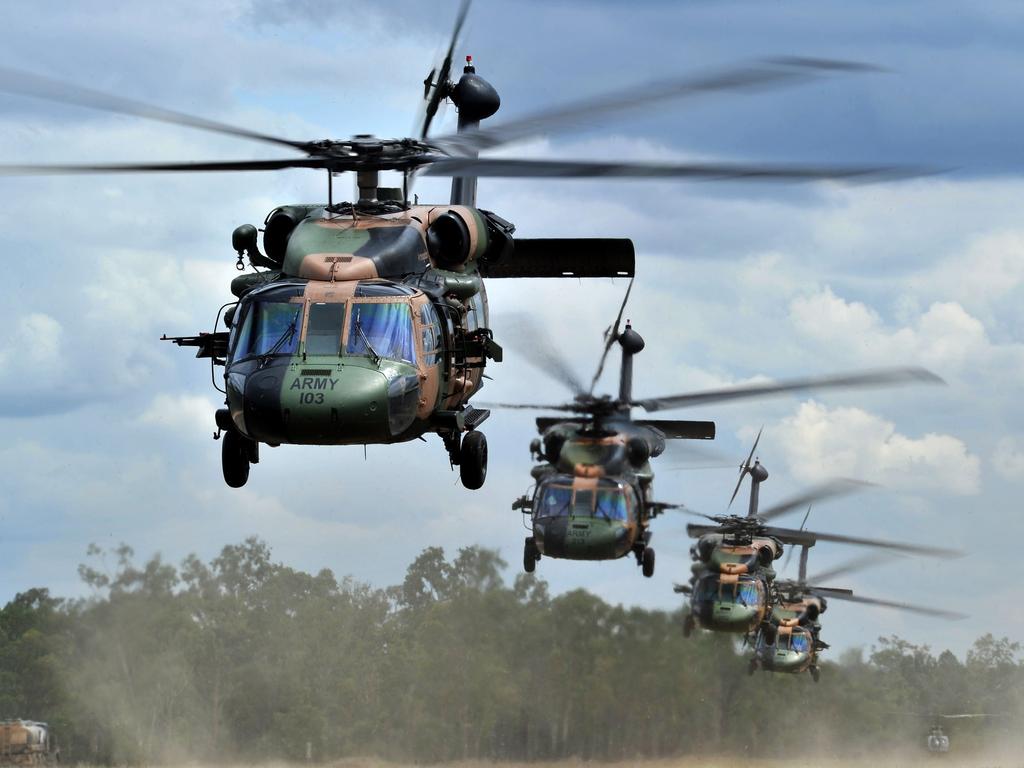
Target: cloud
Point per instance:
(945, 336)
(820, 443)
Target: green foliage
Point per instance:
(243, 658)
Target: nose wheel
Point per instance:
(530, 555)
(237, 452)
(473, 460)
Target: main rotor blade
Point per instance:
(748, 77)
(921, 609)
(48, 89)
(444, 73)
(564, 407)
(793, 536)
(587, 169)
(744, 467)
(851, 566)
(218, 165)
(613, 336)
(876, 378)
(828, 490)
(537, 349)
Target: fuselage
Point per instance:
(361, 336)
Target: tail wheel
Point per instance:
(473, 460)
(647, 562)
(688, 625)
(234, 459)
(530, 556)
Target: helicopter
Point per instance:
(733, 586)
(789, 640)
(367, 322)
(593, 492)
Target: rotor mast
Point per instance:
(631, 343)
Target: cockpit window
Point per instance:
(270, 327)
(611, 504)
(554, 501)
(382, 329)
(746, 593)
(799, 642)
(323, 328)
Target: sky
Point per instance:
(107, 430)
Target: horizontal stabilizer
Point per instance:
(566, 257)
(674, 429)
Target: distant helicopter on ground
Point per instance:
(593, 498)
(789, 640)
(369, 322)
(733, 585)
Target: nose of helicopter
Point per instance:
(582, 538)
(337, 405)
(726, 615)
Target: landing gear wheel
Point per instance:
(688, 625)
(234, 459)
(815, 674)
(752, 667)
(530, 556)
(647, 563)
(473, 460)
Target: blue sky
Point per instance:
(107, 431)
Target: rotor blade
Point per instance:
(745, 466)
(851, 566)
(838, 487)
(221, 165)
(921, 609)
(696, 530)
(564, 407)
(531, 341)
(746, 77)
(793, 536)
(613, 336)
(588, 169)
(39, 87)
(444, 73)
(875, 378)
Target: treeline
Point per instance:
(245, 658)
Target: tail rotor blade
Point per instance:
(532, 342)
(612, 337)
(440, 86)
(745, 467)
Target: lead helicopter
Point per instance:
(366, 322)
(593, 497)
(732, 587)
(790, 638)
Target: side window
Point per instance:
(431, 334)
(241, 332)
(323, 328)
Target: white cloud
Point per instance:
(945, 336)
(821, 443)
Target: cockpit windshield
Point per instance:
(608, 501)
(742, 592)
(270, 327)
(799, 642)
(382, 329)
(553, 501)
